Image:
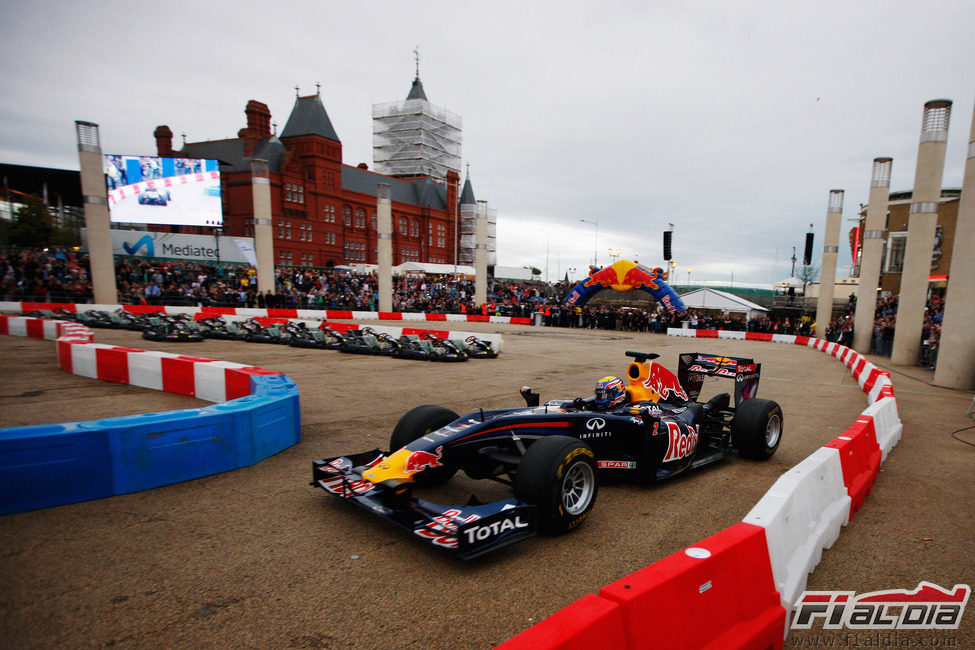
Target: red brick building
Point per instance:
(323, 211)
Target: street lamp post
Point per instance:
(595, 246)
(614, 253)
(689, 269)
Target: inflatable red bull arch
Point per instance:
(626, 276)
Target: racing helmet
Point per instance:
(610, 392)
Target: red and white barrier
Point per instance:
(42, 328)
(802, 513)
(312, 318)
(886, 423)
(243, 312)
(846, 469)
(718, 593)
(135, 189)
(206, 379)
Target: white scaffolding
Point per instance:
(415, 138)
(468, 245)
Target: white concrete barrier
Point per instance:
(731, 334)
(802, 514)
(886, 423)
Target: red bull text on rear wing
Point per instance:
(693, 367)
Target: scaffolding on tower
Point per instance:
(415, 138)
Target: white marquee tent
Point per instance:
(727, 302)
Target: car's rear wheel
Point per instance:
(757, 428)
(558, 475)
(416, 423)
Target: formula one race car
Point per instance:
(646, 428)
(153, 196)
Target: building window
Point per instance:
(403, 225)
(360, 218)
(280, 230)
(287, 230)
(896, 246)
(415, 228)
(441, 235)
(373, 220)
(294, 192)
(346, 216)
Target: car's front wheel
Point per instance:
(757, 428)
(416, 423)
(558, 475)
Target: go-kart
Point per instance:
(215, 327)
(477, 348)
(171, 328)
(553, 456)
(428, 347)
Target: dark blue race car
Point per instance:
(153, 196)
(647, 427)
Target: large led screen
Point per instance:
(173, 191)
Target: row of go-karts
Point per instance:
(158, 326)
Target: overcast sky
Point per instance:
(731, 120)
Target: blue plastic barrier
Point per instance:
(49, 465)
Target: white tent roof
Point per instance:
(430, 267)
(789, 282)
(713, 299)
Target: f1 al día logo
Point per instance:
(929, 607)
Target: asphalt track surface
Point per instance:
(256, 558)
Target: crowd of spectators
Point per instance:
(62, 275)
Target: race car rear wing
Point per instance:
(693, 367)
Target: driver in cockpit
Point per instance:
(610, 392)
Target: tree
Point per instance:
(32, 225)
(808, 274)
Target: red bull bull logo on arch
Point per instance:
(626, 276)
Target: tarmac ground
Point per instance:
(256, 558)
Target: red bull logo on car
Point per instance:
(625, 276)
(420, 460)
(664, 383)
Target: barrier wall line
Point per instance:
(309, 317)
(257, 415)
(311, 314)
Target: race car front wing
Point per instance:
(468, 531)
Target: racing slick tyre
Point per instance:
(558, 475)
(416, 423)
(757, 428)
